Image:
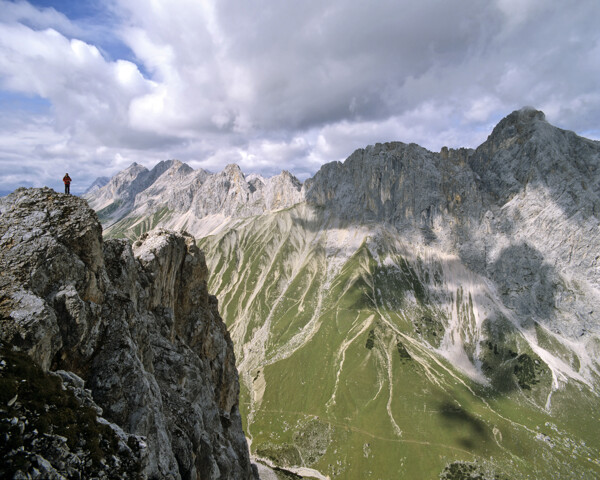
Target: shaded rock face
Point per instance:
(136, 323)
(50, 427)
(522, 209)
(394, 182)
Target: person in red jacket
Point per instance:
(67, 181)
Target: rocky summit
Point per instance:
(114, 361)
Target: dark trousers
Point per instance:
(68, 188)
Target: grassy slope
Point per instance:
(135, 227)
(339, 373)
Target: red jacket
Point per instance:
(67, 180)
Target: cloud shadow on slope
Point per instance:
(473, 433)
(528, 287)
(525, 282)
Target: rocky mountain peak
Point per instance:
(174, 164)
(135, 323)
(97, 184)
(177, 195)
(135, 169)
(517, 127)
(524, 116)
(287, 177)
(234, 173)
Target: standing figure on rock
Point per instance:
(67, 181)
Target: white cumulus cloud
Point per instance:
(280, 85)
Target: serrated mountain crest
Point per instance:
(177, 196)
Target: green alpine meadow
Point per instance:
(348, 345)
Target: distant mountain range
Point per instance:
(405, 313)
(97, 184)
(176, 196)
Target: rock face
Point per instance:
(135, 323)
(50, 427)
(522, 210)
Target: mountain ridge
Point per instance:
(411, 295)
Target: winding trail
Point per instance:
(350, 428)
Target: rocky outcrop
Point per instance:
(51, 428)
(136, 323)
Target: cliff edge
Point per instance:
(135, 322)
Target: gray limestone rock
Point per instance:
(51, 428)
(522, 209)
(137, 324)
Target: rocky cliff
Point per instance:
(521, 209)
(135, 323)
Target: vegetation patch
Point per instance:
(527, 371)
(404, 355)
(412, 281)
(370, 340)
(283, 454)
(429, 327)
(509, 367)
(121, 229)
(393, 281)
(498, 354)
(468, 471)
(283, 474)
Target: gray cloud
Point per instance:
(274, 85)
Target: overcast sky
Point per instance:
(89, 86)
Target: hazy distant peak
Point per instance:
(96, 184)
